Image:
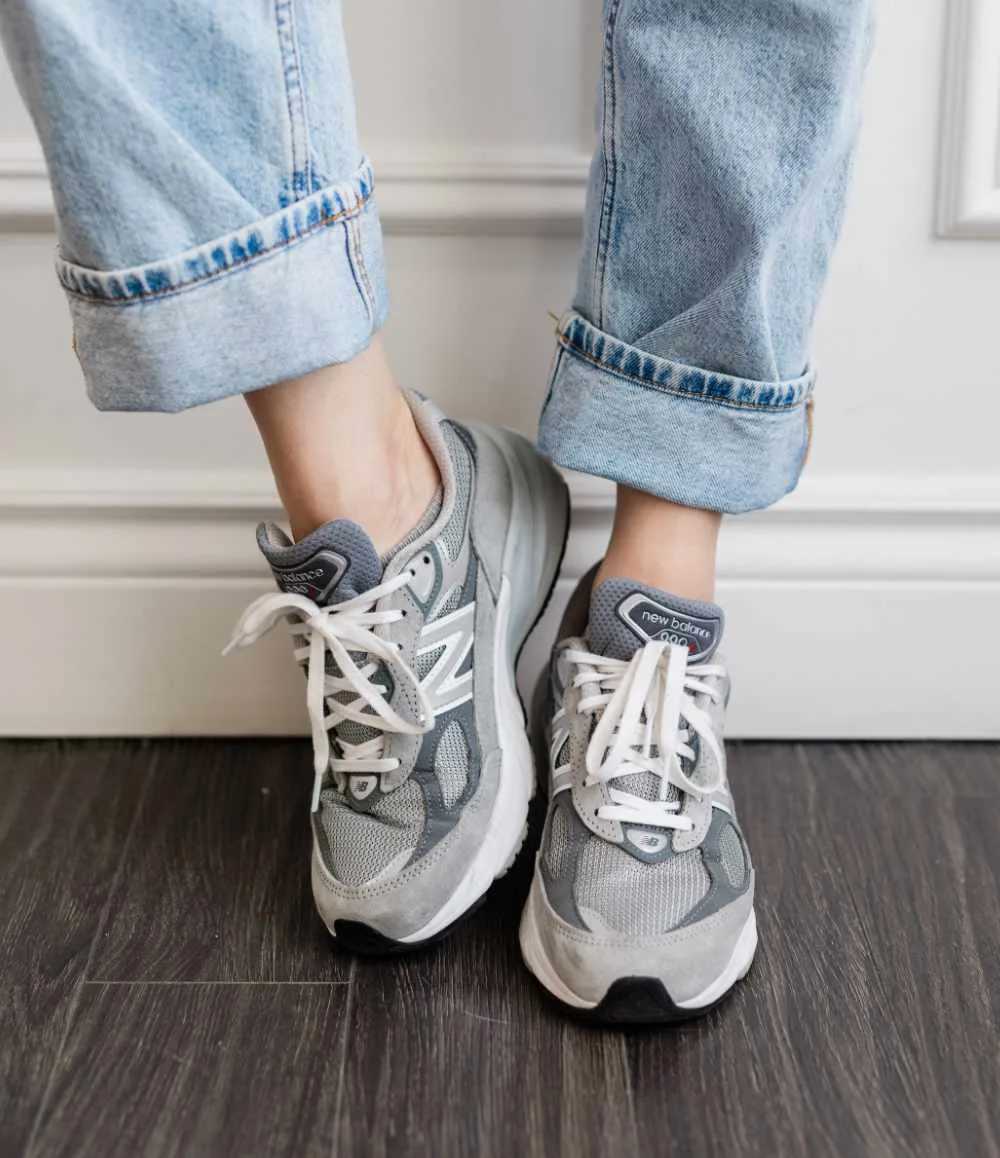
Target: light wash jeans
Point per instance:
(218, 228)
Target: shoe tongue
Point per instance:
(336, 562)
(625, 615)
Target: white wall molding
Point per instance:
(858, 606)
(969, 184)
(475, 192)
(25, 195)
(493, 191)
(199, 523)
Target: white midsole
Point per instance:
(538, 962)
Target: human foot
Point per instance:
(423, 770)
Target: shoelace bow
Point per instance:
(644, 704)
(340, 629)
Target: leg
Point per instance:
(662, 544)
(219, 236)
(217, 227)
(379, 472)
(726, 133)
(682, 374)
(200, 261)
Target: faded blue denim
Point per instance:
(218, 229)
(725, 135)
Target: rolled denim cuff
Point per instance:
(300, 289)
(692, 436)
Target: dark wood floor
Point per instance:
(168, 990)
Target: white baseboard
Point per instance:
(859, 607)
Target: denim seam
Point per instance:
(235, 265)
(356, 256)
(291, 67)
(557, 358)
(661, 388)
(610, 156)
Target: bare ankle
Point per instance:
(409, 481)
(663, 545)
(342, 443)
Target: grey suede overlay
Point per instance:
(407, 901)
(686, 959)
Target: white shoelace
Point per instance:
(645, 702)
(340, 629)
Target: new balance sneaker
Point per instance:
(641, 906)
(423, 769)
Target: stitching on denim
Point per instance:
(557, 358)
(810, 419)
(298, 127)
(356, 257)
(235, 267)
(610, 158)
(662, 388)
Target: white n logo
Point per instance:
(452, 635)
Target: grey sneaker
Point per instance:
(423, 769)
(641, 906)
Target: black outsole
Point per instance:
(637, 1002)
(356, 936)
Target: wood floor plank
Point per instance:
(454, 1053)
(967, 769)
(198, 1071)
(217, 880)
(64, 821)
(869, 1026)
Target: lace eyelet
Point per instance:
(427, 560)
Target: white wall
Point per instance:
(868, 604)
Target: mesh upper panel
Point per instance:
(605, 631)
(422, 664)
(451, 603)
(351, 730)
(559, 844)
(427, 520)
(363, 843)
(454, 533)
(637, 898)
(451, 762)
(731, 853)
(645, 785)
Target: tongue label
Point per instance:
(315, 578)
(645, 841)
(362, 786)
(653, 621)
